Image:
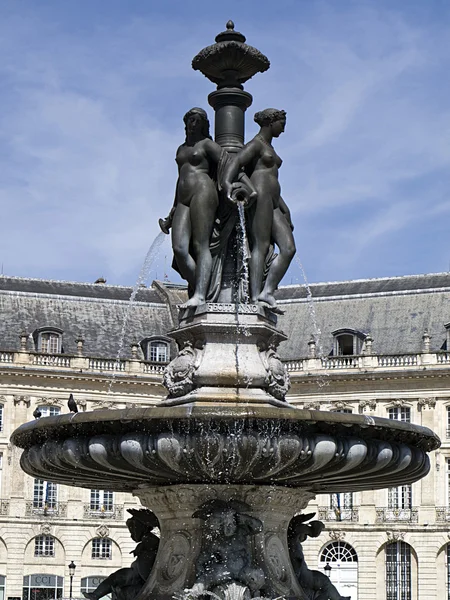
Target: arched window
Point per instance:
(156, 349)
(338, 552)
(49, 411)
(2, 587)
(50, 586)
(347, 342)
(340, 562)
(1, 417)
(398, 571)
(44, 545)
(48, 340)
(101, 548)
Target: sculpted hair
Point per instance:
(205, 120)
(268, 116)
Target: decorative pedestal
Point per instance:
(183, 537)
(227, 354)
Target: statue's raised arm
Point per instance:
(269, 217)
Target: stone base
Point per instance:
(176, 565)
(227, 354)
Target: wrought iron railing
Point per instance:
(397, 515)
(332, 514)
(55, 509)
(114, 511)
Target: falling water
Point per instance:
(244, 253)
(312, 311)
(143, 276)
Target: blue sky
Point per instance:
(93, 94)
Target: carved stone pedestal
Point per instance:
(227, 354)
(183, 536)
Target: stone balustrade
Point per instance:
(303, 365)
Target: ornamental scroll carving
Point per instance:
(370, 404)
(277, 378)
(180, 372)
(424, 403)
(395, 536)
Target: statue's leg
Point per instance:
(260, 230)
(181, 235)
(202, 214)
(282, 236)
(117, 579)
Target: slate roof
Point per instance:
(94, 312)
(394, 310)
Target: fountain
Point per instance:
(225, 465)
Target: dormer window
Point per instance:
(156, 350)
(347, 342)
(446, 344)
(48, 340)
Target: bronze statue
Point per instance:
(226, 556)
(196, 201)
(314, 583)
(269, 217)
(125, 584)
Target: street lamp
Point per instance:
(72, 567)
(327, 569)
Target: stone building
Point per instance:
(375, 347)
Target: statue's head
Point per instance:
(222, 523)
(141, 522)
(300, 530)
(271, 117)
(195, 120)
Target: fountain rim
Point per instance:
(156, 418)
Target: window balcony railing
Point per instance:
(397, 515)
(332, 514)
(442, 514)
(152, 367)
(55, 509)
(114, 512)
(6, 357)
(4, 506)
(398, 360)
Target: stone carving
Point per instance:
(226, 555)
(177, 552)
(363, 404)
(399, 402)
(22, 399)
(179, 373)
(395, 536)
(278, 570)
(312, 405)
(46, 529)
(126, 583)
(109, 404)
(269, 217)
(277, 380)
(315, 584)
(103, 531)
(49, 401)
(424, 403)
(337, 535)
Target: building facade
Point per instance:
(373, 347)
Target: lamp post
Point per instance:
(327, 568)
(72, 567)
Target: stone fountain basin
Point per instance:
(126, 450)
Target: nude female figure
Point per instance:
(196, 201)
(270, 219)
